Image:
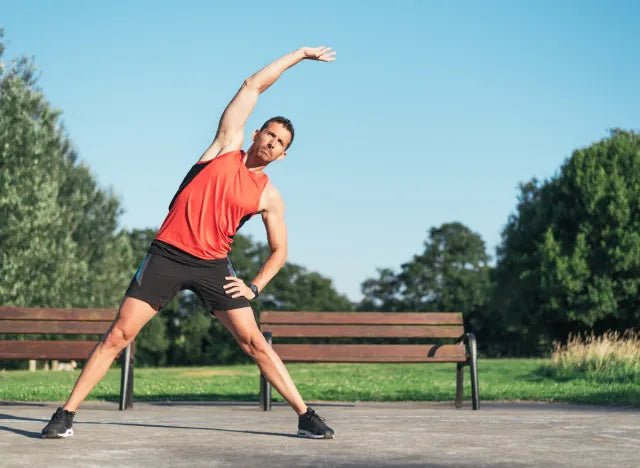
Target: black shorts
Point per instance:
(167, 270)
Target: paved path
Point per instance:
(367, 434)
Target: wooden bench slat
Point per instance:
(32, 349)
(70, 327)
(370, 353)
(363, 331)
(41, 313)
(362, 318)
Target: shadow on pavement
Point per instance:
(253, 404)
(29, 434)
(161, 426)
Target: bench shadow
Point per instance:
(248, 404)
(38, 435)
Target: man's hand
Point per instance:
(236, 288)
(323, 54)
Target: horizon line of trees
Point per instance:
(568, 261)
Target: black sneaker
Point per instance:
(312, 426)
(60, 425)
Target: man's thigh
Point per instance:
(133, 315)
(240, 322)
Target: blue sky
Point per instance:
(433, 112)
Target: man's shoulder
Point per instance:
(271, 197)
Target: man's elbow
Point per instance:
(280, 253)
(253, 85)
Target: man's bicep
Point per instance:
(276, 227)
(237, 112)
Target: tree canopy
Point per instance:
(450, 275)
(570, 254)
(59, 243)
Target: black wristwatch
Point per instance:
(254, 288)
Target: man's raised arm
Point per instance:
(230, 133)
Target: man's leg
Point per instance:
(132, 316)
(242, 325)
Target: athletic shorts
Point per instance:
(167, 270)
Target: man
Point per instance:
(220, 192)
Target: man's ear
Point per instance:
(255, 135)
(282, 156)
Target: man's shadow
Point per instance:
(38, 435)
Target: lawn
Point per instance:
(500, 379)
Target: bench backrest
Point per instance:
(54, 321)
(363, 324)
(438, 325)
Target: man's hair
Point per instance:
(286, 123)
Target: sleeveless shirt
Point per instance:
(213, 201)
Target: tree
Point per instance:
(59, 245)
(452, 274)
(570, 255)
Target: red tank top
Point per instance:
(214, 200)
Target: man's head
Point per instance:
(273, 139)
(286, 123)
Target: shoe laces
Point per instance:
(314, 416)
(61, 414)
(58, 415)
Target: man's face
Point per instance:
(271, 143)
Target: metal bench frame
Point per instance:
(441, 325)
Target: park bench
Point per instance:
(48, 321)
(453, 344)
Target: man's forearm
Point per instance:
(264, 78)
(271, 267)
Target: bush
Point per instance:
(611, 357)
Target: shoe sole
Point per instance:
(58, 435)
(310, 435)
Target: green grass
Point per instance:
(500, 379)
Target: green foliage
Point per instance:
(293, 288)
(570, 255)
(58, 239)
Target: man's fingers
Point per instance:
(328, 55)
(234, 287)
(323, 53)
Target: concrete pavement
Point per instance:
(407, 434)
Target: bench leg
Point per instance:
(473, 365)
(265, 385)
(459, 384)
(265, 394)
(126, 379)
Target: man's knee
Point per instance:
(117, 338)
(254, 345)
